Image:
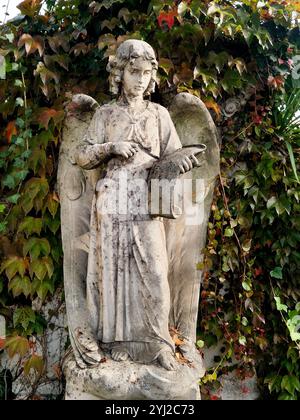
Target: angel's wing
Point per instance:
(75, 188)
(186, 235)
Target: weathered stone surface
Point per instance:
(131, 381)
(130, 277)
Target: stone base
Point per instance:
(132, 381)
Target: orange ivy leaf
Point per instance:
(11, 130)
(81, 48)
(211, 104)
(46, 114)
(32, 44)
(17, 345)
(57, 41)
(30, 7)
(12, 266)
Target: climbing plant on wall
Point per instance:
(243, 60)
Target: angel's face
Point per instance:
(136, 77)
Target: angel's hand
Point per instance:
(188, 163)
(124, 148)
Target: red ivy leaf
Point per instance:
(46, 114)
(276, 82)
(168, 18)
(2, 343)
(11, 130)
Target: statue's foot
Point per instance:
(119, 356)
(88, 347)
(167, 360)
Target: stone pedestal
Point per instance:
(131, 381)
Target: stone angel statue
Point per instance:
(130, 271)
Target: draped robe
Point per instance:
(127, 278)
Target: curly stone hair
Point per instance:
(128, 52)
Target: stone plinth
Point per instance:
(132, 381)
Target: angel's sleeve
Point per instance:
(93, 150)
(170, 141)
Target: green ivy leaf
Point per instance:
(23, 316)
(229, 232)
(36, 247)
(13, 198)
(277, 273)
(279, 305)
(12, 266)
(31, 225)
(35, 363)
(19, 285)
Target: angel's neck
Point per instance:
(134, 102)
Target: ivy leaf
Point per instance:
(17, 346)
(247, 245)
(52, 204)
(45, 287)
(293, 325)
(211, 104)
(37, 159)
(107, 40)
(13, 198)
(30, 7)
(3, 226)
(229, 232)
(277, 273)
(32, 44)
(271, 202)
(38, 268)
(35, 363)
(96, 6)
(290, 383)
(239, 64)
(242, 340)
(36, 247)
(19, 102)
(46, 114)
(166, 64)
(246, 286)
(42, 267)
(31, 225)
(19, 285)
(12, 266)
(11, 130)
(36, 189)
(218, 60)
(23, 316)
(279, 305)
(57, 41)
(200, 344)
(61, 59)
